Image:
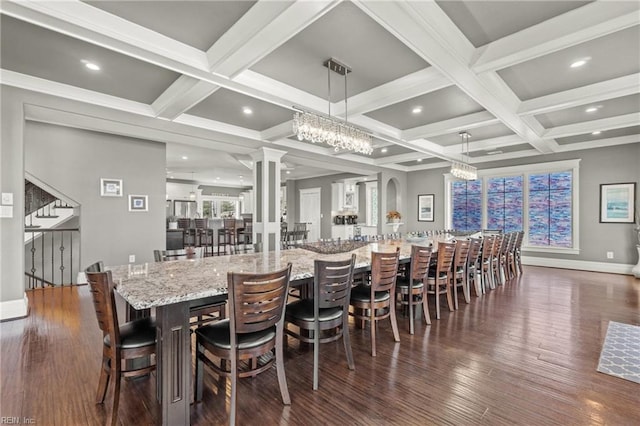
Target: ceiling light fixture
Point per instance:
(184, 157)
(597, 132)
(579, 62)
(417, 110)
(384, 150)
(91, 65)
(419, 160)
(192, 194)
(288, 172)
(591, 109)
(462, 169)
(247, 110)
(326, 129)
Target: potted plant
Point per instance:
(394, 216)
(172, 222)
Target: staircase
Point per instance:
(51, 238)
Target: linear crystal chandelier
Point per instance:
(326, 129)
(461, 169)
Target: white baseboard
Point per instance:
(13, 309)
(582, 265)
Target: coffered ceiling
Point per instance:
(217, 79)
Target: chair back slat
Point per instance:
(497, 245)
(257, 301)
(474, 251)
(101, 288)
(420, 259)
(333, 281)
(201, 223)
(487, 248)
(384, 270)
(184, 223)
(461, 253)
(446, 251)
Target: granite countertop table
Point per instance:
(157, 284)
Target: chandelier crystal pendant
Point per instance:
(461, 169)
(326, 129)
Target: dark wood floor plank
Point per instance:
(524, 353)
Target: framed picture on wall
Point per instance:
(138, 203)
(425, 208)
(110, 187)
(617, 202)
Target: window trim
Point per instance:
(525, 170)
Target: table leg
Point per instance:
(173, 364)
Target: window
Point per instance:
(540, 199)
(467, 205)
(220, 207)
(504, 203)
(550, 209)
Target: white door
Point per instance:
(310, 211)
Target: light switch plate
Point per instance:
(7, 199)
(6, 211)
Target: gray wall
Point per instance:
(324, 183)
(72, 161)
(605, 165)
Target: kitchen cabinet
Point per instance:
(344, 232)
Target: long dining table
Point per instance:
(169, 286)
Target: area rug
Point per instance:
(620, 354)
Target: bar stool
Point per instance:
(227, 235)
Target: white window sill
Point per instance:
(556, 250)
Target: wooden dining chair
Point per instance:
(485, 263)
(376, 302)
(495, 259)
(473, 262)
(203, 310)
(516, 255)
(254, 328)
(459, 275)
(410, 289)
(439, 277)
(327, 311)
(134, 339)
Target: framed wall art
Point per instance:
(110, 187)
(425, 208)
(617, 202)
(138, 203)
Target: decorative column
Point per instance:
(266, 198)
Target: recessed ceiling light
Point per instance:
(288, 172)
(497, 151)
(591, 109)
(171, 176)
(247, 110)
(91, 65)
(417, 110)
(419, 160)
(217, 177)
(383, 150)
(579, 62)
(597, 132)
(241, 177)
(184, 157)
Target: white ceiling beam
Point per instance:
(401, 158)
(36, 84)
(428, 31)
(486, 144)
(256, 34)
(85, 22)
(600, 143)
(279, 131)
(217, 126)
(265, 27)
(452, 125)
(618, 122)
(181, 95)
(586, 23)
(418, 83)
(615, 88)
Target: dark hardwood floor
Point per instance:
(525, 353)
